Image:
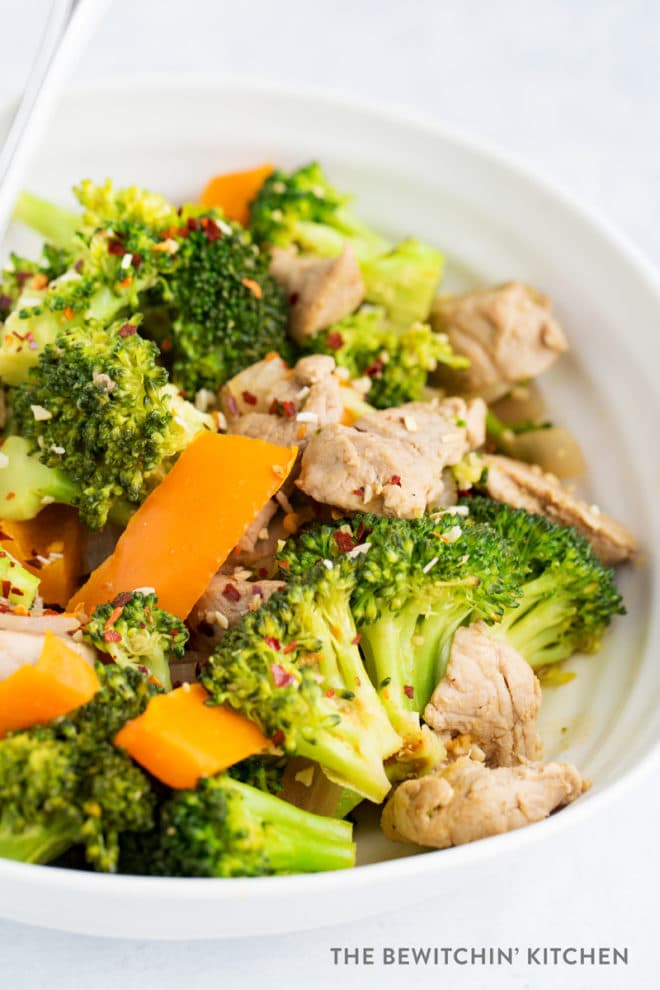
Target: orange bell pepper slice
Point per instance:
(179, 738)
(233, 192)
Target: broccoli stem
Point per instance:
(56, 224)
(37, 845)
(537, 627)
(295, 840)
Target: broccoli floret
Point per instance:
(225, 828)
(294, 668)
(227, 311)
(27, 485)
(97, 405)
(118, 251)
(416, 582)
(302, 209)
(397, 360)
(64, 784)
(134, 631)
(568, 595)
(17, 585)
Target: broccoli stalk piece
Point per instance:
(416, 582)
(397, 360)
(55, 223)
(17, 585)
(302, 209)
(98, 406)
(30, 483)
(568, 596)
(64, 784)
(294, 668)
(134, 631)
(225, 828)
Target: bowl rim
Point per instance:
(158, 86)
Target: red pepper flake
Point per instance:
(125, 282)
(396, 480)
(344, 540)
(115, 246)
(6, 589)
(281, 677)
(17, 591)
(136, 261)
(111, 636)
(362, 531)
(253, 286)
(127, 330)
(277, 738)
(335, 340)
(375, 369)
(273, 643)
(114, 615)
(9, 496)
(249, 397)
(232, 405)
(279, 408)
(211, 229)
(409, 691)
(290, 647)
(68, 312)
(193, 223)
(330, 693)
(166, 345)
(231, 592)
(293, 298)
(263, 572)
(359, 491)
(356, 639)
(122, 599)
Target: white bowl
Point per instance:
(494, 221)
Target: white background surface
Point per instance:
(571, 90)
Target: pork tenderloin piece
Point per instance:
(489, 694)
(284, 405)
(508, 334)
(466, 800)
(392, 462)
(320, 290)
(223, 603)
(526, 486)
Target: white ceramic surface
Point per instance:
(493, 221)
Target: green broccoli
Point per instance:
(134, 631)
(27, 485)
(302, 209)
(226, 310)
(225, 828)
(397, 360)
(416, 582)
(568, 596)
(97, 405)
(294, 667)
(119, 249)
(64, 784)
(17, 586)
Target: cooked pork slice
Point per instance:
(223, 603)
(284, 408)
(391, 462)
(489, 694)
(507, 332)
(527, 487)
(466, 800)
(258, 528)
(320, 290)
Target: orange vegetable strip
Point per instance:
(190, 523)
(178, 738)
(55, 536)
(234, 191)
(60, 681)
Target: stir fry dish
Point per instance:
(283, 529)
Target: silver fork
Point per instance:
(69, 24)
